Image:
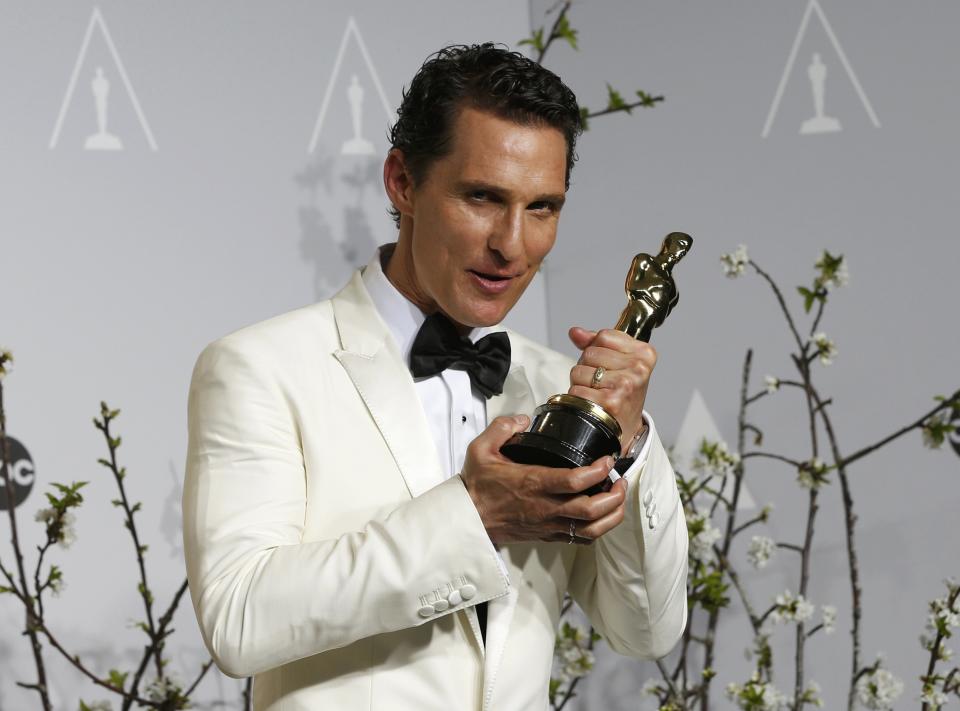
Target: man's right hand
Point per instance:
(521, 502)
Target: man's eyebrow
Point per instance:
(466, 185)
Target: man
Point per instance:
(353, 536)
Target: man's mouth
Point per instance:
(492, 282)
(489, 276)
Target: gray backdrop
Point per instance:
(232, 200)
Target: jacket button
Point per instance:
(647, 498)
(468, 591)
(441, 605)
(654, 520)
(426, 611)
(454, 598)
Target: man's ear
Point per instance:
(398, 182)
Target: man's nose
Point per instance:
(507, 236)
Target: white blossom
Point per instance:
(791, 609)
(701, 544)
(736, 262)
(756, 695)
(651, 687)
(56, 587)
(879, 689)
(573, 654)
(772, 384)
(826, 349)
(933, 697)
(811, 694)
(829, 618)
(761, 551)
(59, 525)
(162, 689)
(812, 474)
(714, 459)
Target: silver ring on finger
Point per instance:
(572, 531)
(597, 376)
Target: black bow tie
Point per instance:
(438, 346)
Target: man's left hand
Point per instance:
(622, 389)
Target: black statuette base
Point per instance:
(563, 437)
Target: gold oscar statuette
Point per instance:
(570, 431)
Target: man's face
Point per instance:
(485, 216)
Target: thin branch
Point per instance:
(791, 547)
(645, 103)
(816, 320)
(770, 455)
(850, 459)
(553, 31)
(783, 304)
(743, 526)
(203, 671)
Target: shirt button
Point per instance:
(426, 611)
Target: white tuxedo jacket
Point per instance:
(328, 557)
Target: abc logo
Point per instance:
(21, 474)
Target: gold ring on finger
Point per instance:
(597, 376)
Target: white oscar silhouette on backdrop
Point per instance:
(102, 140)
(358, 145)
(820, 123)
(817, 74)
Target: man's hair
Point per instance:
(484, 77)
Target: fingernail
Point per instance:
(610, 462)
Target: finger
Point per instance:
(499, 431)
(595, 529)
(592, 508)
(607, 357)
(574, 481)
(581, 337)
(585, 375)
(619, 341)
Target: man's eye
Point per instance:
(479, 195)
(542, 206)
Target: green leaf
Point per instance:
(118, 678)
(535, 40)
(565, 31)
(115, 442)
(646, 99)
(615, 101)
(5, 589)
(104, 462)
(808, 298)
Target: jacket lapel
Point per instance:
(372, 360)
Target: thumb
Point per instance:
(501, 429)
(581, 337)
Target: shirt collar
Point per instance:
(402, 317)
